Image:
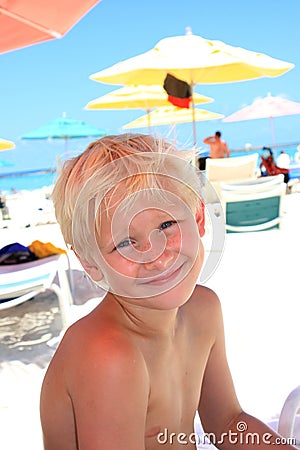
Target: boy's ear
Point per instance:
(93, 271)
(200, 219)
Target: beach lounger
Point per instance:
(253, 205)
(22, 282)
(289, 419)
(219, 170)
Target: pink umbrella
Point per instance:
(266, 107)
(28, 22)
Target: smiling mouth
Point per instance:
(161, 279)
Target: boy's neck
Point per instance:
(147, 320)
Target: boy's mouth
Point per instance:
(162, 278)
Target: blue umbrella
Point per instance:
(65, 128)
(4, 163)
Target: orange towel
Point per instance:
(44, 249)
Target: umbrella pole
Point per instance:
(175, 134)
(149, 121)
(272, 130)
(193, 116)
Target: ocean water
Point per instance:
(26, 181)
(37, 179)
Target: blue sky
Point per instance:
(39, 83)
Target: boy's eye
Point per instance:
(124, 243)
(128, 242)
(167, 224)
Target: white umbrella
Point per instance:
(266, 108)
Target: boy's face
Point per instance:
(151, 249)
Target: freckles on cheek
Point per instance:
(175, 242)
(129, 266)
(122, 265)
(186, 237)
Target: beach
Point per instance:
(256, 280)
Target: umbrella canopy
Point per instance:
(65, 128)
(172, 115)
(28, 22)
(195, 60)
(4, 163)
(138, 97)
(264, 108)
(6, 145)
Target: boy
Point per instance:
(132, 374)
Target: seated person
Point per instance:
(268, 166)
(152, 353)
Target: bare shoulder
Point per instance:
(92, 348)
(95, 359)
(204, 300)
(96, 373)
(203, 310)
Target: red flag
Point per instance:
(179, 92)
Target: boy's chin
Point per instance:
(169, 296)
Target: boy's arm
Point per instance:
(112, 404)
(219, 409)
(246, 432)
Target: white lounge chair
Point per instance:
(238, 168)
(289, 419)
(253, 205)
(22, 282)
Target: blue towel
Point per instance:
(15, 254)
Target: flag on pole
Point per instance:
(179, 92)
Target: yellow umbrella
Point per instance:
(138, 96)
(6, 145)
(171, 115)
(195, 60)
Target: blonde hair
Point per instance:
(141, 162)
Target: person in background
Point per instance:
(268, 167)
(3, 207)
(218, 149)
(283, 160)
(297, 155)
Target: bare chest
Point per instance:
(175, 385)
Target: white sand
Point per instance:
(23, 363)
(257, 282)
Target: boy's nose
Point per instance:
(160, 262)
